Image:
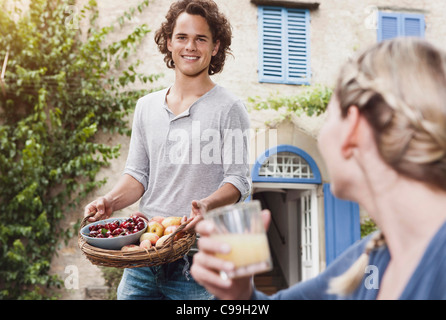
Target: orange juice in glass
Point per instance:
(241, 226)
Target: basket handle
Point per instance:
(85, 220)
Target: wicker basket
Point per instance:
(169, 252)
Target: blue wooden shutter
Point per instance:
(298, 46)
(342, 226)
(391, 25)
(284, 45)
(413, 25)
(388, 26)
(271, 44)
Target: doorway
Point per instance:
(293, 230)
(285, 179)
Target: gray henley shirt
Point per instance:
(189, 156)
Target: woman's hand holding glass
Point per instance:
(207, 268)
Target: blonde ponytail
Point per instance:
(346, 283)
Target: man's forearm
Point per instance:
(225, 195)
(127, 191)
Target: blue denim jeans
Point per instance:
(170, 281)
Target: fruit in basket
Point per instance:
(170, 229)
(171, 221)
(140, 215)
(146, 244)
(155, 227)
(157, 218)
(130, 247)
(116, 228)
(161, 241)
(152, 237)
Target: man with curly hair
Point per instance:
(183, 159)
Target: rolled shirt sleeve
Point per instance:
(138, 162)
(235, 150)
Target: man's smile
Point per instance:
(190, 57)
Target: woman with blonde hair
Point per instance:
(384, 144)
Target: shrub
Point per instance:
(58, 92)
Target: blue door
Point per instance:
(342, 226)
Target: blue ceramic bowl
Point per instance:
(115, 243)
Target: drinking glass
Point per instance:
(241, 226)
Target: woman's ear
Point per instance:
(350, 136)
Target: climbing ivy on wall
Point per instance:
(64, 81)
(309, 100)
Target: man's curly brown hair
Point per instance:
(218, 24)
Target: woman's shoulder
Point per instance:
(429, 278)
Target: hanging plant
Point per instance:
(311, 101)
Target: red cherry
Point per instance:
(117, 231)
(93, 233)
(140, 225)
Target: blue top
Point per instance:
(428, 282)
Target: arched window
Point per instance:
(286, 163)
